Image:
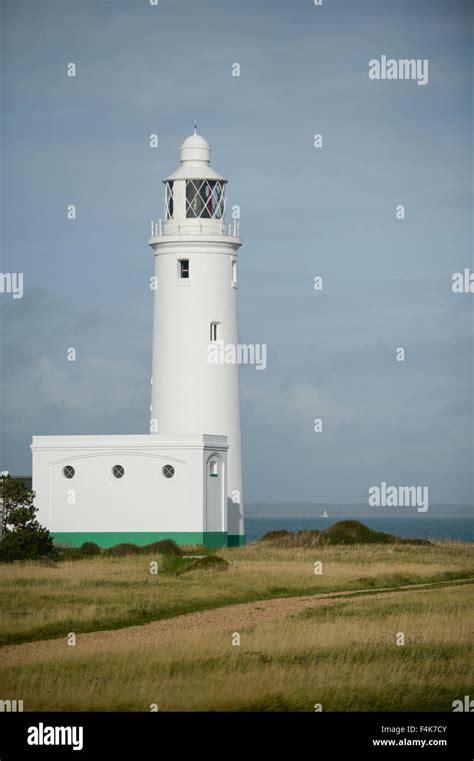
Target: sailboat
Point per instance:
(325, 514)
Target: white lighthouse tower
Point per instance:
(195, 307)
(183, 479)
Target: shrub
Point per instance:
(354, 532)
(120, 550)
(29, 542)
(342, 532)
(285, 539)
(23, 536)
(307, 538)
(163, 547)
(271, 536)
(88, 549)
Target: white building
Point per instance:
(183, 480)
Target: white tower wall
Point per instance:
(190, 395)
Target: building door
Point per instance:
(214, 494)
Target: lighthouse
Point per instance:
(195, 307)
(182, 480)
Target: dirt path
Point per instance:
(229, 617)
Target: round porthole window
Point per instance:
(118, 471)
(68, 471)
(168, 471)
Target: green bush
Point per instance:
(23, 537)
(163, 547)
(29, 542)
(354, 532)
(285, 539)
(120, 550)
(342, 532)
(88, 549)
(307, 538)
(271, 536)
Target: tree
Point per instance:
(23, 537)
(13, 494)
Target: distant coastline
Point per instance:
(356, 510)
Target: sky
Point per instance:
(306, 212)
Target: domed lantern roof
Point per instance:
(195, 148)
(195, 161)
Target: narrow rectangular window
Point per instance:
(234, 272)
(213, 469)
(184, 268)
(169, 200)
(213, 331)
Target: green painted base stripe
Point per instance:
(236, 540)
(140, 538)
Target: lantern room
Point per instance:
(195, 193)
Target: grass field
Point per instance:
(343, 654)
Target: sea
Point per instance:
(420, 527)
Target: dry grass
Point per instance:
(343, 655)
(102, 593)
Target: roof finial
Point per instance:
(195, 127)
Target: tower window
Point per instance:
(169, 200)
(213, 331)
(234, 272)
(184, 268)
(213, 469)
(205, 199)
(68, 471)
